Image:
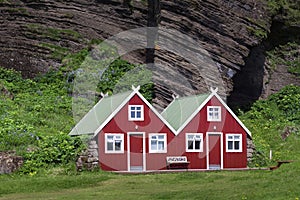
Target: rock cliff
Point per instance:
(36, 34)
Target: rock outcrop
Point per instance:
(36, 34)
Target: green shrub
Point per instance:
(50, 150)
(268, 119)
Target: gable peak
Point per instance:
(214, 90)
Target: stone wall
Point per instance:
(10, 162)
(250, 149)
(88, 160)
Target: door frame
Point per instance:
(207, 147)
(128, 149)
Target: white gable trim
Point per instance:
(91, 110)
(157, 113)
(214, 93)
(115, 112)
(135, 91)
(233, 115)
(194, 114)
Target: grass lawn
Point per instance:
(283, 183)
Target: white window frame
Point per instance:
(116, 136)
(211, 118)
(233, 140)
(135, 118)
(194, 139)
(164, 140)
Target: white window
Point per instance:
(194, 142)
(136, 112)
(213, 113)
(114, 143)
(234, 143)
(158, 143)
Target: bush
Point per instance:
(267, 121)
(52, 149)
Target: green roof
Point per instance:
(181, 109)
(99, 114)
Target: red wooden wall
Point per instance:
(176, 144)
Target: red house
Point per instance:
(196, 132)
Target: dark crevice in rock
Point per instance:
(249, 82)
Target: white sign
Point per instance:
(176, 159)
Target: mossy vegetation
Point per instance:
(287, 55)
(258, 32)
(287, 11)
(52, 33)
(58, 52)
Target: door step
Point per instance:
(214, 167)
(136, 168)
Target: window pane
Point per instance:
(210, 109)
(138, 114)
(118, 145)
(110, 137)
(161, 137)
(216, 109)
(230, 137)
(197, 137)
(161, 145)
(237, 137)
(132, 114)
(132, 108)
(153, 145)
(197, 144)
(110, 146)
(138, 108)
(230, 145)
(236, 145)
(190, 144)
(190, 137)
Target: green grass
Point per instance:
(283, 183)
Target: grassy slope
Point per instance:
(283, 183)
(266, 120)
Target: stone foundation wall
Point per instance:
(250, 149)
(88, 160)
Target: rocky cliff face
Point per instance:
(36, 34)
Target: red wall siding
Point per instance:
(176, 144)
(120, 124)
(228, 124)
